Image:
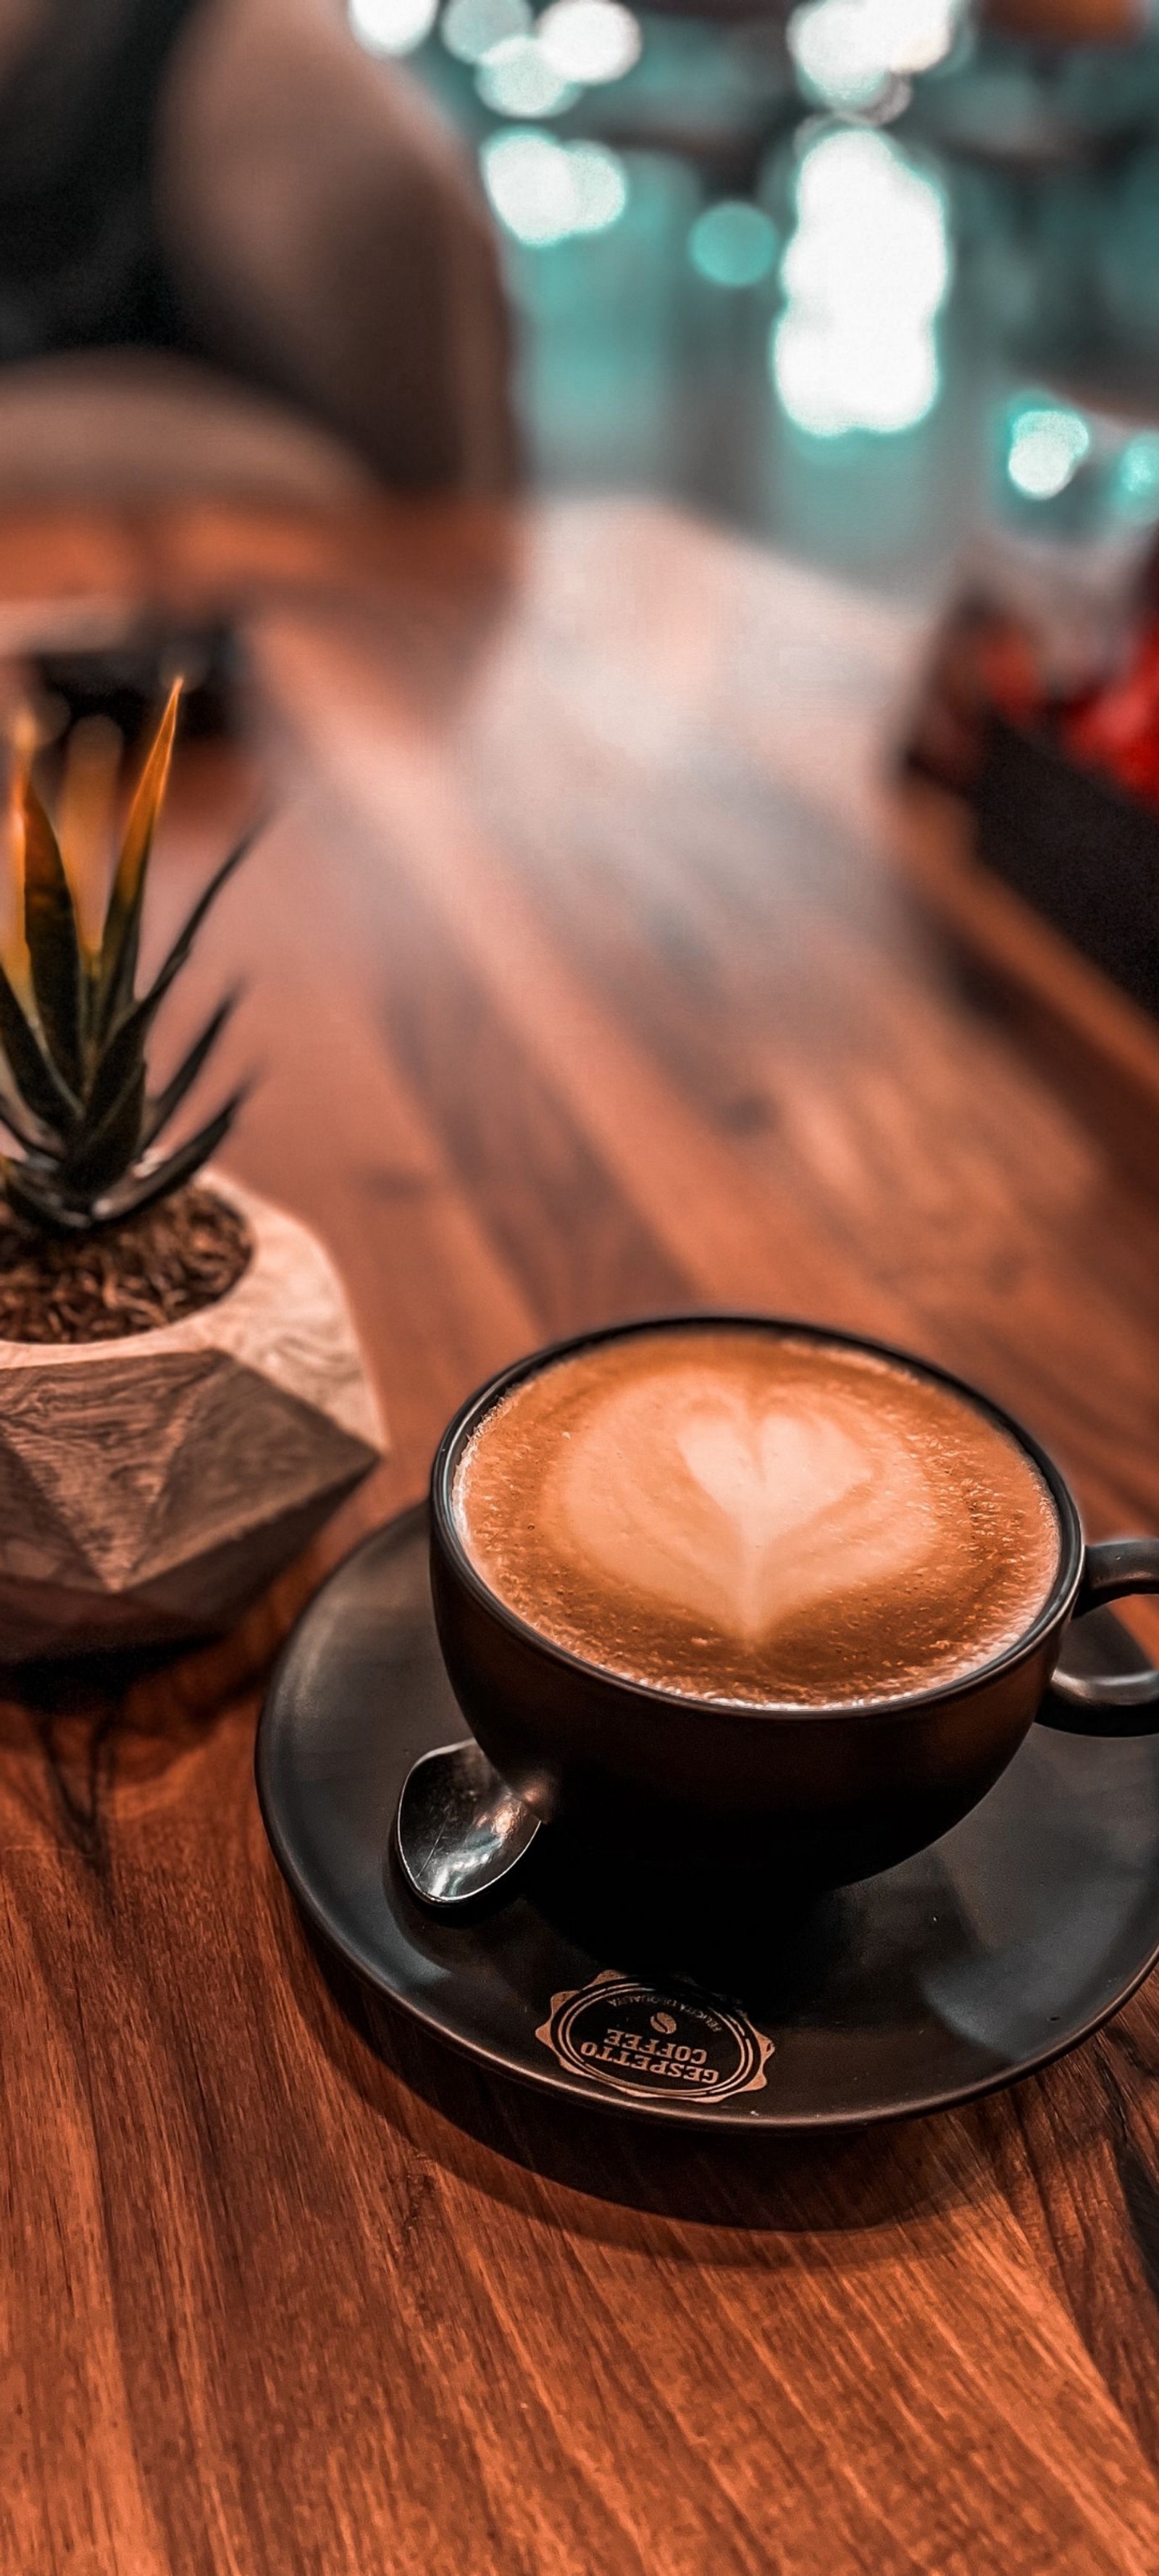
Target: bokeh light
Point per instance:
(470, 28)
(1137, 480)
(865, 275)
(733, 243)
(1046, 448)
(882, 247)
(545, 191)
(590, 40)
(517, 79)
(530, 186)
(920, 33)
(835, 53)
(856, 377)
(600, 181)
(869, 226)
(392, 26)
(848, 53)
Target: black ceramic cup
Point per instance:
(828, 1794)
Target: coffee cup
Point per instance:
(724, 1580)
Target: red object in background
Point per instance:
(1118, 728)
(988, 661)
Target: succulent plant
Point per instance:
(74, 1093)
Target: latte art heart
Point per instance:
(742, 1515)
(773, 1470)
(734, 1513)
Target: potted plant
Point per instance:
(182, 1400)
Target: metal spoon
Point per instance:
(459, 1830)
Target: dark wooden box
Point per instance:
(1084, 852)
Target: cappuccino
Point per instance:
(735, 1514)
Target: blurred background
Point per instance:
(875, 281)
(868, 277)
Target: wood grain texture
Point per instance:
(585, 984)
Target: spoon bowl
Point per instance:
(459, 1830)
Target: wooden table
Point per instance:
(584, 984)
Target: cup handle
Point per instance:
(1112, 1568)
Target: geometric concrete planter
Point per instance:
(150, 1487)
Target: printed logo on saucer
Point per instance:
(639, 2041)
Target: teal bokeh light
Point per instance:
(545, 192)
(1137, 479)
(1046, 444)
(515, 78)
(733, 243)
(470, 29)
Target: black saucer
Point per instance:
(974, 1963)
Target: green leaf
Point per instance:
(34, 1074)
(119, 1069)
(39, 1207)
(54, 951)
(102, 1155)
(177, 1169)
(168, 1102)
(126, 1046)
(121, 936)
(12, 1117)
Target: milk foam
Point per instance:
(743, 1512)
(746, 1515)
